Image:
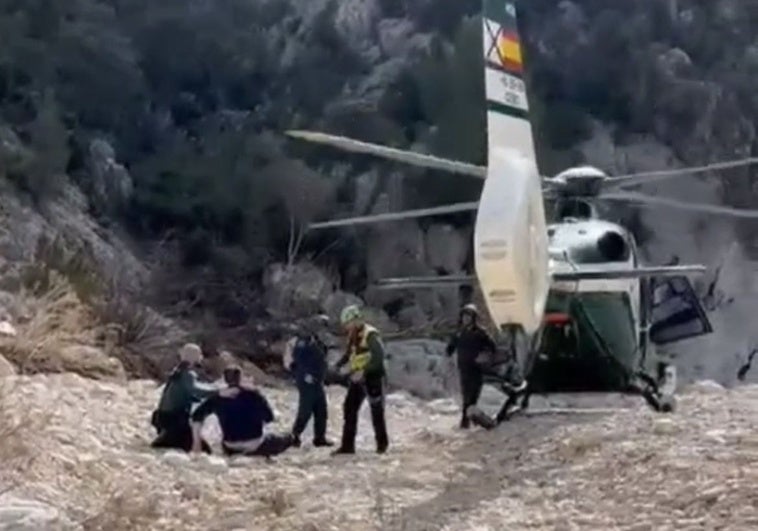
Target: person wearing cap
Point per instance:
(470, 341)
(309, 366)
(182, 390)
(242, 416)
(364, 359)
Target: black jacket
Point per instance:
(469, 342)
(241, 417)
(309, 358)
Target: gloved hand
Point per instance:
(309, 379)
(356, 377)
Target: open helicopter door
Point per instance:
(674, 310)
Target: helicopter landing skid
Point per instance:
(510, 408)
(662, 402)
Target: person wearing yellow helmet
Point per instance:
(364, 358)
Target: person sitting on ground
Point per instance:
(242, 417)
(172, 417)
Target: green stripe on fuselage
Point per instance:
(507, 110)
(502, 12)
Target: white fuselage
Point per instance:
(571, 245)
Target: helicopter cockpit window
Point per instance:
(610, 247)
(575, 209)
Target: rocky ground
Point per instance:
(87, 464)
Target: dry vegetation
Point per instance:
(57, 320)
(76, 320)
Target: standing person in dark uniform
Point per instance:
(365, 361)
(470, 341)
(309, 366)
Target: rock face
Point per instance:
(421, 368)
(112, 184)
(64, 221)
(296, 291)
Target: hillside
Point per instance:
(626, 470)
(167, 119)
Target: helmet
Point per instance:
(350, 313)
(191, 353)
(470, 309)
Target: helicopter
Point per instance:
(574, 307)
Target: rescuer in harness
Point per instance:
(471, 341)
(364, 358)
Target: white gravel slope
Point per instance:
(630, 470)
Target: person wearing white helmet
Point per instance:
(470, 342)
(364, 358)
(172, 417)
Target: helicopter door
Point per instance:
(675, 310)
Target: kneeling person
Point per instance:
(182, 390)
(242, 416)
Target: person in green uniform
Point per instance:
(364, 359)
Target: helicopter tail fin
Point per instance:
(510, 235)
(505, 88)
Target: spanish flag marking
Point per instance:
(509, 51)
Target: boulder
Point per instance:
(7, 329)
(412, 317)
(213, 463)
(91, 362)
(446, 247)
(19, 514)
(6, 368)
(176, 458)
(421, 368)
(112, 184)
(298, 290)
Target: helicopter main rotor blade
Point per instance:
(633, 179)
(648, 200)
(396, 216)
(425, 282)
(400, 155)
